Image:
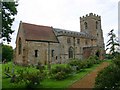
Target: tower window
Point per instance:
(85, 25)
(68, 40)
(96, 25)
(36, 53)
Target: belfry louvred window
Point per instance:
(86, 26)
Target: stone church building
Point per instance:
(45, 44)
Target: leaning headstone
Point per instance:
(7, 74)
(12, 71)
(13, 79)
(5, 69)
(74, 68)
(8, 70)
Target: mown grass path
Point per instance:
(89, 80)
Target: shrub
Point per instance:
(116, 60)
(109, 77)
(60, 72)
(77, 63)
(60, 75)
(7, 53)
(31, 79)
(40, 67)
(87, 63)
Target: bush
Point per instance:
(77, 63)
(31, 79)
(40, 67)
(60, 75)
(81, 64)
(7, 53)
(109, 78)
(60, 72)
(116, 60)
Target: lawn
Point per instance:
(0, 76)
(47, 83)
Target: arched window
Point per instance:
(68, 40)
(19, 46)
(52, 53)
(71, 52)
(36, 53)
(98, 54)
(96, 25)
(85, 25)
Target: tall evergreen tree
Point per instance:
(9, 10)
(112, 42)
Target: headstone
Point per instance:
(12, 70)
(8, 69)
(74, 68)
(13, 79)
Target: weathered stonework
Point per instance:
(70, 44)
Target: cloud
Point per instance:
(119, 21)
(65, 13)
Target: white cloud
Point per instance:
(65, 13)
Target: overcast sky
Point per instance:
(65, 14)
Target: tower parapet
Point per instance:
(90, 15)
(91, 24)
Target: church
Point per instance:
(48, 45)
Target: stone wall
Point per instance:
(20, 58)
(43, 54)
(90, 41)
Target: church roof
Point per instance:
(63, 32)
(39, 33)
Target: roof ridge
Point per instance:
(36, 24)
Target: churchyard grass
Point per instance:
(47, 82)
(0, 76)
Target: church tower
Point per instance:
(91, 24)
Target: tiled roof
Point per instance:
(38, 33)
(63, 32)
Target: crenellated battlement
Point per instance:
(90, 15)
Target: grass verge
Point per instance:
(49, 83)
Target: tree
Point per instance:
(7, 52)
(112, 42)
(109, 78)
(8, 12)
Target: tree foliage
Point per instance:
(8, 12)
(112, 42)
(109, 78)
(7, 52)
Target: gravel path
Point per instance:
(89, 80)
